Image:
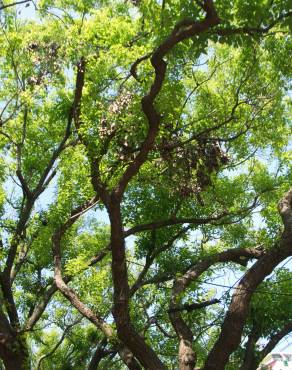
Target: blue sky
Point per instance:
(229, 279)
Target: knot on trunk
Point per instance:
(187, 356)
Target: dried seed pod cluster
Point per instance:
(191, 165)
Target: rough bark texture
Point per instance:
(183, 30)
(249, 360)
(126, 332)
(187, 357)
(236, 316)
(73, 298)
(13, 352)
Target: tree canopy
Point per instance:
(145, 198)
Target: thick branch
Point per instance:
(126, 332)
(71, 295)
(183, 30)
(40, 308)
(95, 318)
(274, 340)
(237, 313)
(33, 195)
(236, 255)
(184, 333)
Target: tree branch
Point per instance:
(57, 345)
(13, 4)
(274, 340)
(251, 30)
(193, 306)
(237, 313)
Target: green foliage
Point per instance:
(220, 162)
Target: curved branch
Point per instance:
(183, 30)
(60, 341)
(237, 313)
(126, 332)
(274, 340)
(71, 295)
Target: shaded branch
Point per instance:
(274, 340)
(171, 222)
(60, 341)
(236, 316)
(71, 295)
(192, 220)
(252, 30)
(193, 306)
(99, 353)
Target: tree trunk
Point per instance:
(126, 332)
(14, 354)
(15, 362)
(187, 356)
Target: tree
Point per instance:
(144, 149)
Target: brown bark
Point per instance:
(126, 332)
(249, 360)
(71, 295)
(186, 355)
(183, 30)
(193, 271)
(252, 359)
(235, 318)
(13, 352)
(13, 361)
(235, 255)
(237, 313)
(13, 349)
(129, 359)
